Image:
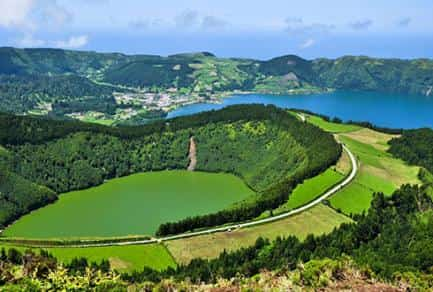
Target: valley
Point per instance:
(118, 89)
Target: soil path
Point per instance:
(192, 154)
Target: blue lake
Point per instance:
(382, 109)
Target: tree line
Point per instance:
(403, 221)
(415, 147)
(69, 155)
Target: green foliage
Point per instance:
(67, 155)
(19, 196)
(83, 160)
(22, 93)
(121, 258)
(331, 126)
(309, 189)
(259, 152)
(40, 272)
(99, 104)
(268, 166)
(14, 256)
(31, 76)
(395, 236)
(414, 147)
(318, 273)
(364, 73)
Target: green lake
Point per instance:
(132, 205)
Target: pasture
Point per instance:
(329, 126)
(317, 220)
(122, 258)
(379, 171)
(310, 189)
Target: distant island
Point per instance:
(114, 88)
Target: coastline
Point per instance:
(218, 98)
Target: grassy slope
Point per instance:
(122, 258)
(331, 127)
(318, 220)
(379, 171)
(310, 189)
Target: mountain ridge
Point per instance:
(191, 77)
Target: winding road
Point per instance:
(226, 228)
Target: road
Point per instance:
(227, 228)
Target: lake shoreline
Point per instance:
(406, 111)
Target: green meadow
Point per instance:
(329, 126)
(379, 171)
(311, 189)
(122, 258)
(318, 220)
(132, 205)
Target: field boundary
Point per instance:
(129, 241)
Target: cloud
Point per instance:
(30, 15)
(308, 43)
(14, 12)
(192, 19)
(187, 18)
(213, 22)
(404, 22)
(361, 24)
(139, 24)
(28, 41)
(53, 13)
(297, 26)
(73, 42)
(145, 24)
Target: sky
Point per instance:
(236, 28)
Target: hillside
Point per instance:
(415, 147)
(68, 155)
(143, 84)
(402, 221)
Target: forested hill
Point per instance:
(415, 147)
(273, 152)
(202, 73)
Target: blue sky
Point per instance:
(257, 29)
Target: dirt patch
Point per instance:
(318, 220)
(343, 165)
(376, 139)
(192, 154)
(118, 264)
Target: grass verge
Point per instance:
(317, 220)
(122, 258)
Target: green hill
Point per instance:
(267, 147)
(200, 73)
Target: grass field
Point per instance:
(133, 205)
(379, 171)
(318, 220)
(354, 199)
(105, 122)
(329, 126)
(310, 189)
(122, 258)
